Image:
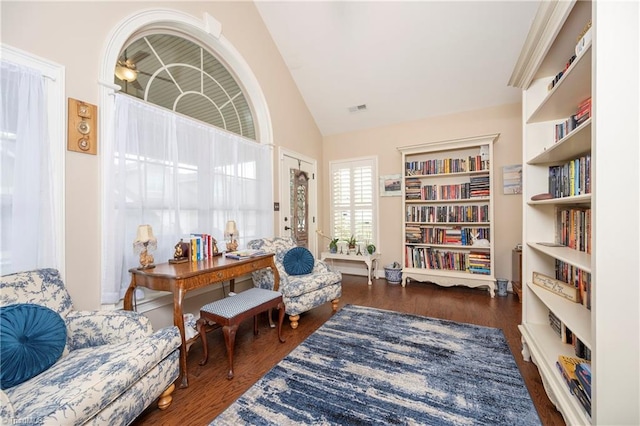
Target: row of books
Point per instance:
(444, 214)
(202, 246)
(575, 276)
(571, 178)
(576, 373)
(464, 191)
(444, 235)
(573, 228)
(434, 192)
(559, 76)
(566, 336)
(570, 124)
(428, 258)
(447, 165)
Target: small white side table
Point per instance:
(368, 259)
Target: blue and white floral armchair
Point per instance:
(112, 365)
(300, 293)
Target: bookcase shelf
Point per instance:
(470, 160)
(605, 322)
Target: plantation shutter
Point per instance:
(353, 206)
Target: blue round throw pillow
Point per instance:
(298, 261)
(32, 338)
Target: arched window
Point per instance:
(187, 140)
(181, 75)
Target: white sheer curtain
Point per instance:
(28, 232)
(181, 177)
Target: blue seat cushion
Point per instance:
(298, 261)
(32, 338)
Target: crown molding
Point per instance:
(548, 21)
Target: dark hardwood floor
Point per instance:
(209, 391)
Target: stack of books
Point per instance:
(576, 373)
(412, 188)
(584, 111)
(244, 254)
(480, 186)
(479, 263)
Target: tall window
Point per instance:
(186, 156)
(31, 148)
(353, 199)
(181, 177)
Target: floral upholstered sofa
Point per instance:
(300, 293)
(109, 368)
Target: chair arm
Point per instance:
(263, 278)
(321, 266)
(95, 328)
(7, 413)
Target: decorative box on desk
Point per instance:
(368, 259)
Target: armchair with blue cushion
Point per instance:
(305, 282)
(60, 366)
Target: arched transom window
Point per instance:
(181, 75)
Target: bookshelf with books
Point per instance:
(578, 300)
(448, 212)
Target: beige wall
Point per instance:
(74, 34)
(383, 141)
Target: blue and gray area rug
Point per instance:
(368, 366)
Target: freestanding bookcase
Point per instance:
(448, 212)
(601, 191)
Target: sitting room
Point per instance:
(327, 212)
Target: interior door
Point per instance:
(298, 194)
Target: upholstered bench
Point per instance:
(231, 311)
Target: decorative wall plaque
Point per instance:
(82, 131)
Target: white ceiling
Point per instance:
(405, 60)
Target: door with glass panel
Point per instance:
(297, 195)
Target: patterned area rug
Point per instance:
(368, 366)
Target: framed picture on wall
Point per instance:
(391, 185)
(512, 179)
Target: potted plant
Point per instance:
(371, 248)
(333, 245)
(351, 243)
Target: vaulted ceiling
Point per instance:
(403, 60)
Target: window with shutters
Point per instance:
(353, 195)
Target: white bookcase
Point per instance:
(447, 193)
(610, 327)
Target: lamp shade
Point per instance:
(231, 228)
(145, 234)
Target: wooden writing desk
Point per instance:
(179, 278)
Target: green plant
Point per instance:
(333, 245)
(351, 242)
(371, 248)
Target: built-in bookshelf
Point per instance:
(447, 208)
(571, 287)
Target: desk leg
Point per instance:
(128, 296)
(178, 320)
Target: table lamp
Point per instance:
(144, 243)
(231, 235)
